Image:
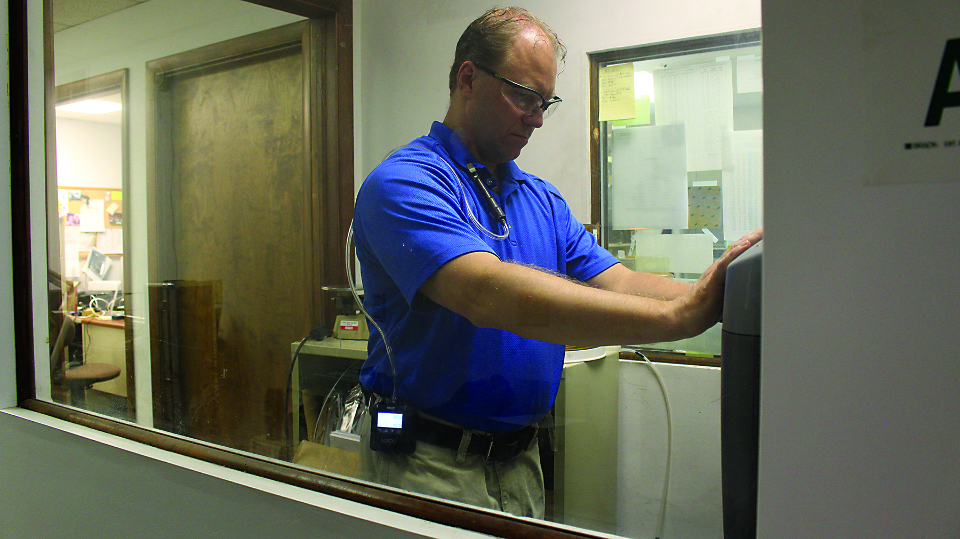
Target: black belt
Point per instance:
(492, 447)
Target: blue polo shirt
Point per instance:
(412, 217)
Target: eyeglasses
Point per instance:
(527, 100)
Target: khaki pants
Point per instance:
(515, 486)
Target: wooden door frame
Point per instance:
(328, 139)
(330, 80)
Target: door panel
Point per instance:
(234, 202)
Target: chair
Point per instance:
(79, 378)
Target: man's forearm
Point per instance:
(541, 306)
(620, 279)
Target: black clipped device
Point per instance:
(393, 428)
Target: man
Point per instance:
(473, 295)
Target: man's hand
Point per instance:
(702, 305)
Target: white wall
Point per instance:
(404, 51)
(860, 403)
(55, 482)
(89, 154)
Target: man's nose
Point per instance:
(535, 118)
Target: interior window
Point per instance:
(681, 156)
(196, 258)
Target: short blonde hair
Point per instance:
(487, 39)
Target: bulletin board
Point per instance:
(92, 217)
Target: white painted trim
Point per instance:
(277, 488)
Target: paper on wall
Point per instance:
(649, 177)
(617, 99)
(71, 261)
(742, 183)
(749, 75)
(110, 241)
(700, 97)
(685, 253)
(91, 216)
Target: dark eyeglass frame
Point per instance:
(545, 103)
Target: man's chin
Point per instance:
(516, 146)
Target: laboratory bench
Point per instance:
(586, 413)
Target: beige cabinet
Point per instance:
(586, 442)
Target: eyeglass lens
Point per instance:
(527, 101)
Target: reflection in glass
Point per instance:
(113, 235)
(216, 260)
(89, 366)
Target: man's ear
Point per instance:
(465, 77)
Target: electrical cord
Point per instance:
(353, 289)
(666, 478)
(316, 428)
(318, 334)
(99, 305)
(494, 208)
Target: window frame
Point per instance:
(336, 16)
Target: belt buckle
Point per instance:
(501, 453)
(505, 450)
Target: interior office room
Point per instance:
(857, 412)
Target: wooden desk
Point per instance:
(104, 342)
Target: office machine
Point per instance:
(740, 393)
(350, 323)
(97, 265)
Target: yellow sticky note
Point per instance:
(617, 92)
(641, 116)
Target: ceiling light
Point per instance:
(91, 106)
(643, 84)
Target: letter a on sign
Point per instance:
(942, 96)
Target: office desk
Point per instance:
(320, 366)
(104, 342)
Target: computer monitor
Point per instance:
(96, 265)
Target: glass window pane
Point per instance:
(186, 230)
(682, 167)
(116, 237)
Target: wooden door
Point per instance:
(236, 211)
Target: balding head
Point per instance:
(489, 39)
